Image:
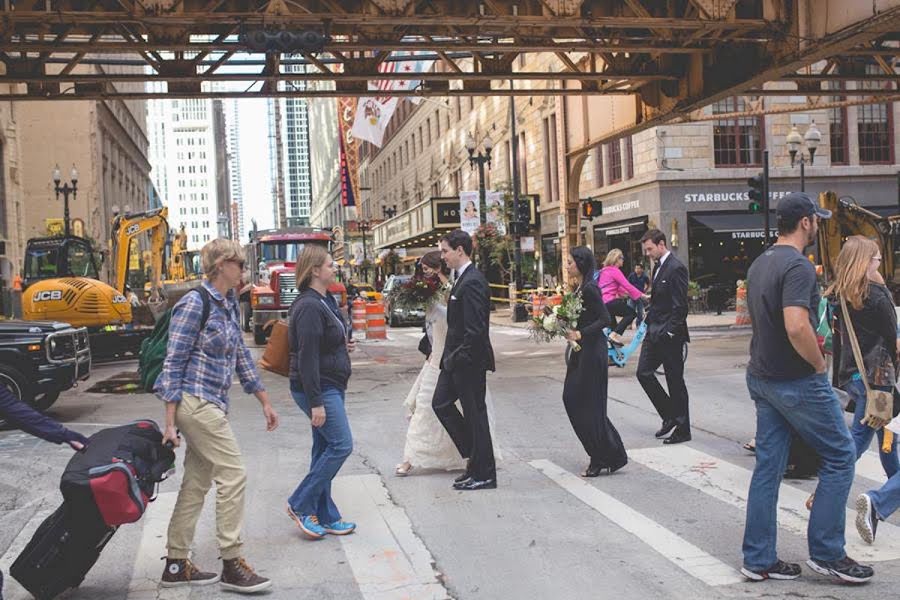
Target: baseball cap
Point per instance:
(797, 205)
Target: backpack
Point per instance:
(153, 349)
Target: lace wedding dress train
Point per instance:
(428, 446)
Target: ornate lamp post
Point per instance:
(479, 160)
(65, 190)
(794, 141)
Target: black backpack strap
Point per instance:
(204, 296)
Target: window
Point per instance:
(736, 141)
(614, 151)
(551, 160)
(629, 158)
(837, 136)
(874, 132)
(523, 164)
(598, 165)
(428, 130)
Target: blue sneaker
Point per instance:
(308, 524)
(339, 528)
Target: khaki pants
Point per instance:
(212, 455)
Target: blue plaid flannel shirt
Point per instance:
(202, 363)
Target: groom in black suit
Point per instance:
(467, 357)
(667, 333)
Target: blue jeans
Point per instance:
(863, 434)
(809, 407)
(332, 444)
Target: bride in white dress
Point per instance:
(428, 446)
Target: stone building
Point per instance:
(12, 221)
(423, 165)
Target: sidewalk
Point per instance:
(696, 322)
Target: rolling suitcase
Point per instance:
(61, 552)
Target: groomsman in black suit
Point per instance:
(467, 357)
(667, 333)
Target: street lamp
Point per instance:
(363, 227)
(794, 141)
(65, 190)
(479, 160)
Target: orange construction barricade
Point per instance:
(538, 302)
(376, 328)
(358, 315)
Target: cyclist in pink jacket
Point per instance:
(615, 288)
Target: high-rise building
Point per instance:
(232, 130)
(183, 141)
(295, 171)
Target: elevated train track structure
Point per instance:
(673, 57)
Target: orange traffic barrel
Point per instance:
(358, 315)
(538, 301)
(375, 325)
(555, 300)
(740, 305)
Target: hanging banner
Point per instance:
(374, 114)
(346, 113)
(469, 215)
(493, 206)
(347, 196)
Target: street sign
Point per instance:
(527, 243)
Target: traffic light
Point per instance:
(524, 211)
(281, 40)
(757, 187)
(591, 208)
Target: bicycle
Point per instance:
(619, 355)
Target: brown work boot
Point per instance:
(238, 576)
(181, 571)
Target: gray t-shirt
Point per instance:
(780, 277)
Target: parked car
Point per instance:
(397, 315)
(40, 359)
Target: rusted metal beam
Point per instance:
(268, 74)
(836, 92)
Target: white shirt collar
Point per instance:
(462, 269)
(664, 257)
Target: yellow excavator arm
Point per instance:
(125, 229)
(848, 218)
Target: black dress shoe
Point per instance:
(475, 484)
(667, 426)
(678, 437)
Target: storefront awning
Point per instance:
(728, 223)
(622, 228)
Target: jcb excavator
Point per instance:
(849, 218)
(183, 268)
(62, 283)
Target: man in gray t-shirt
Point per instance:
(787, 380)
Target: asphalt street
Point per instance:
(668, 525)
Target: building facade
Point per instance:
(691, 179)
(325, 209)
(189, 186)
(236, 184)
(12, 218)
(295, 177)
(423, 166)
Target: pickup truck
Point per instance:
(40, 359)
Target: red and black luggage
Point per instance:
(107, 484)
(116, 475)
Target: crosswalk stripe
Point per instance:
(388, 560)
(671, 546)
(513, 352)
(11, 587)
(730, 483)
(147, 564)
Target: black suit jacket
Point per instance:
(468, 344)
(669, 301)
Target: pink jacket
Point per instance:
(613, 285)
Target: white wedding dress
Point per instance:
(428, 445)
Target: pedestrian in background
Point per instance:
(616, 290)
(320, 370)
(201, 360)
(870, 305)
(584, 391)
(638, 278)
(667, 332)
(787, 379)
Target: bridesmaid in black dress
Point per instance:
(584, 392)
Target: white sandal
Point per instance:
(403, 469)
